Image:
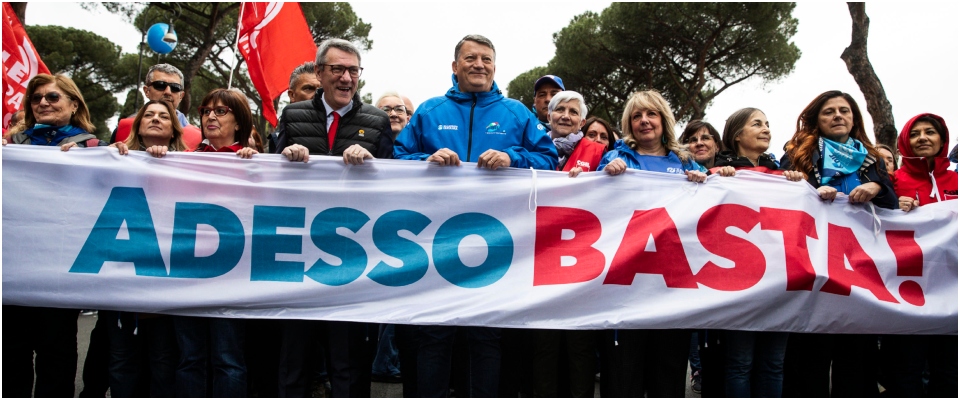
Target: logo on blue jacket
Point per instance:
(494, 127)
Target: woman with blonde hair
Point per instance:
(649, 142)
(647, 362)
(57, 115)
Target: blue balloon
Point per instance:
(155, 38)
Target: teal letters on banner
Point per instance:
(267, 243)
(183, 260)
(353, 257)
(446, 256)
(414, 258)
(129, 205)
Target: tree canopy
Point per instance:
(94, 63)
(690, 52)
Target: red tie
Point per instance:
(332, 132)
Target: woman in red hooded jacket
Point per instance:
(925, 176)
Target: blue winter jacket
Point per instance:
(472, 123)
(670, 163)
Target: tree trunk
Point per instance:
(21, 10)
(855, 56)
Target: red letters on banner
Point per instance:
(796, 227)
(20, 63)
(550, 246)
(749, 262)
(843, 245)
(667, 257)
(909, 263)
(667, 260)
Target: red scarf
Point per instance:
(205, 147)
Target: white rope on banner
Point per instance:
(533, 191)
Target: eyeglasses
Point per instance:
(397, 109)
(52, 97)
(338, 70)
(695, 139)
(218, 110)
(161, 86)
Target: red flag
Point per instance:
(20, 63)
(274, 39)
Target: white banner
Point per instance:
(411, 242)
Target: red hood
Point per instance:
(903, 142)
(913, 179)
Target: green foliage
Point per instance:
(521, 87)
(94, 63)
(134, 99)
(101, 103)
(336, 20)
(690, 52)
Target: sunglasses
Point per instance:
(218, 111)
(161, 86)
(52, 97)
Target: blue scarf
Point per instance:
(840, 163)
(46, 135)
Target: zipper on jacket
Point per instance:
(470, 137)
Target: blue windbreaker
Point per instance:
(670, 163)
(472, 123)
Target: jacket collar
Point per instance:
(482, 98)
(728, 158)
(320, 104)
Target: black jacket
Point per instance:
(305, 123)
(727, 158)
(872, 170)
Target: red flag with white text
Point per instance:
(274, 39)
(20, 63)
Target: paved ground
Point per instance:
(85, 325)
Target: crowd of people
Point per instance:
(139, 355)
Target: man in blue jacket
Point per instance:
(473, 122)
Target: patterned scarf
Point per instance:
(46, 135)
(840, 163)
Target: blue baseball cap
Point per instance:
(548, 78)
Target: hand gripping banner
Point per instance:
(412, 242)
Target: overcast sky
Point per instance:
(913, 47)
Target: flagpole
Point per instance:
(236, 47)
